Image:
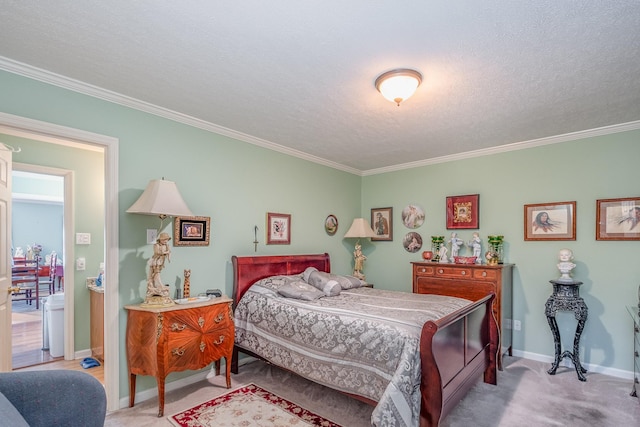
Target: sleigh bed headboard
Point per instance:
(250, 269)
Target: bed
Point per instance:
(453, 351)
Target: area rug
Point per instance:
(248, 405)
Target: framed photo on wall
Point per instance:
(550, 221)
(618, 219)
(331, 225)
(463, 211)
(382, 223)
(278, 229)
(191, 231)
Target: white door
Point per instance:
(5, 265)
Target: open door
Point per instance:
(5, 254)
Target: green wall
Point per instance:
(236, 184)
(583, 171)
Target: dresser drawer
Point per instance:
(423, 270)
(485, 274)
(453, 272)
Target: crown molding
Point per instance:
(116, 98)
(605, 130)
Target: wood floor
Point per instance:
(26, 333)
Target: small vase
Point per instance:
(427, 255)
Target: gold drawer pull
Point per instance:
(201, 321)
(177, 327)
(220, 341)
(202, 346)
(220, 318)
(177, 351)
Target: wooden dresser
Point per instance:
(177, 338)
(432, 277)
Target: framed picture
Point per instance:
(331, 225)
(550, 221)
(191, 231)
(618, 219)
(278, 229)
(463, 211)
(382, 223)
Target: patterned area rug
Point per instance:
(249, 405)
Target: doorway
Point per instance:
(61, 135)
(38, 231)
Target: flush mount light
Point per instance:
(398, 85)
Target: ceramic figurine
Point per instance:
(456, 242)
(442, 256)
(476, 245)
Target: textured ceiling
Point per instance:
(300, 74)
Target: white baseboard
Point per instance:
(613, 372)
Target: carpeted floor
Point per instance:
(526, 395)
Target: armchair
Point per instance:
(51, 398)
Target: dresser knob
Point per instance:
(220, 318)
(422, 270)
(177, 351)
(463, 273)
(202, 346)
(441, 271)
(201, 321)
(484, 274)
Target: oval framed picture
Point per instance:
(331, 225)
(412, 242)
(412, 216)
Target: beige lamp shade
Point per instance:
(160, 198)
(360, 228)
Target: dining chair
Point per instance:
(24, 276)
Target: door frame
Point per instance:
(62, 135)
(68, 250)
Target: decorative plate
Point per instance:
(412, 216)
(412, 242)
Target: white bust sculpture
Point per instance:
(565, 256)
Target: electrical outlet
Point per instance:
(517, 325)
(81, 264)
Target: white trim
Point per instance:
(107, 95)
(590, 367)
(34, 129)
(68, 254)
(605, 130)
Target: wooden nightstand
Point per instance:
(177, 338)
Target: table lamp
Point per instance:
(359, 229)
(163, 199)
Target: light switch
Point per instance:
(83, 238)
(81, 264)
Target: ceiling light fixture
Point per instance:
(398, 85)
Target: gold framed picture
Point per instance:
(191, 230)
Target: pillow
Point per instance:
(318, 278)
(300, 290)
(322, 281)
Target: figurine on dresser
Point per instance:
(565, 256)
(476, 245)
(158, 292)
(456, 242)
